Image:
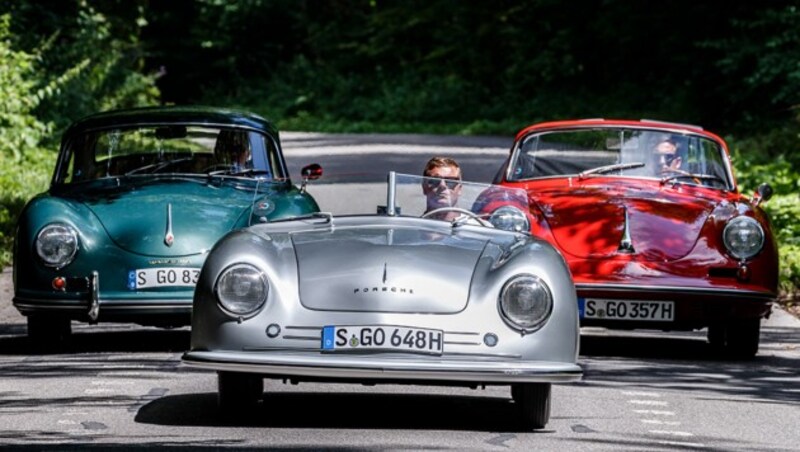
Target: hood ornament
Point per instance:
(169, 237)
(384, 272)
(626, 244)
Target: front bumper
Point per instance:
(695, 308)
(88, 305)
(315, 366)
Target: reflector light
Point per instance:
(59, 283)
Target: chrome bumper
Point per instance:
(374, 367)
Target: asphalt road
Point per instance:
(123, 386)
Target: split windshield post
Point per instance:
(390, 193)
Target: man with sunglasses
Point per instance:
(442, 185)
(665, 156)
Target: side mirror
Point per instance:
(310, 172)
(763, 193)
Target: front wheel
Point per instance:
(736, 338)
(239, 392)
(534, 404)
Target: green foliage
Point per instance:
(56, 66)
(20, 129)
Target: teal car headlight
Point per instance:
(509, 218)
(57, 244)
(743, 237)
(526, 302)
(242, 289)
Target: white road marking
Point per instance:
(681, 444)
(659, 422)
(641, 394)
(671, 433)
(648, 402)
(655, 412)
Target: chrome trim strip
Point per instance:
(626, 245)
(373, 367)
(303, 338)
(169, 237)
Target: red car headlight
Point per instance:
(743, 237)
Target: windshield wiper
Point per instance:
(609, 168)
(244, 172)
(156, 166)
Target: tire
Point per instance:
(743, 338)
(736, 338)
(239, 392)
(48, 332)
(534, 404)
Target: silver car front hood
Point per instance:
(373, 269)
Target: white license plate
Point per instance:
(147, 278)
(655, 311)
(389, 338)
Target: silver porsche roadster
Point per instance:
(460, 295)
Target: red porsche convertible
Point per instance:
(653, 226)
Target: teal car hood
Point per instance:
(170, 218)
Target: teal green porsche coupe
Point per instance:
(137, 199)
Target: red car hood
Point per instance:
(663, 224)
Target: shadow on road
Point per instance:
(663, 363)
(342, 411)
(14, 341)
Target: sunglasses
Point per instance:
(450, 182)
(667, 158)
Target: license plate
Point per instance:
(655, 311)
(147, 278)
(388, 338)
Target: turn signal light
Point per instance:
(59, 283)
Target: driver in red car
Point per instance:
(665, 155)
(442, 186)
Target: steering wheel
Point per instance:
(217, 167)
(468, 213)
(676, 173)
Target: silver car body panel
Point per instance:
(386, 270)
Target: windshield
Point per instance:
(657, 154)
(455, 201)
(169, 149)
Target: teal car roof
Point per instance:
(198, 115)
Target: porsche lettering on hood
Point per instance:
(592, 222)
(189, 221)
(385, 270)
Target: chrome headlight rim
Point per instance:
(730, 248)
(42, 238)
(510, 215)
(227, 305)
(531, 326)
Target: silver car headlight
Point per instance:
(743, 237)
(57, 244)
(242, 289)
(509, 218)
(526, 302)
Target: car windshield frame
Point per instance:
(477, 204)
(139, 151)
(626, 152)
